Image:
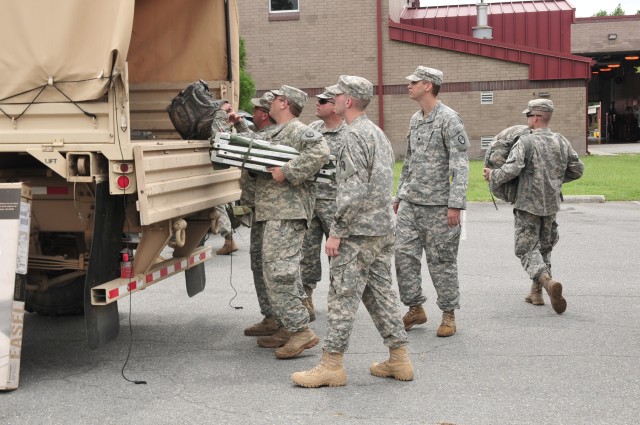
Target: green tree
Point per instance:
(618, 11)
(247, 85)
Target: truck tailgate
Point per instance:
(176, 178)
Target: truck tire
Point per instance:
(64, 300)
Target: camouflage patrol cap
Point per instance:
(542, 105)
(356, 87)
(292, 94)
(423, 73)
(326, 94)
(263, 102)
(334, 90)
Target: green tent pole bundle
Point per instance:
(257, 155)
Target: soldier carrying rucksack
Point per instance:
(542, 161)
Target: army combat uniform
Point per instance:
(434, 178)
(360, 244)
(363, 221)
(325, 207)
(248, 183)
(552, 163)
(284, 210)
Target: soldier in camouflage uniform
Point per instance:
(552, 163)
(223, 223)
(333, 128)
(262, 127)
(360, 244)
(284, 204)
(431, 193)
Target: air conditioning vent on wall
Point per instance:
(486, 98)
(485, 142)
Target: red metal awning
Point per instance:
(542, 65)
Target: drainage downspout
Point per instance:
(586, 100)
(228, 35)
(380, 63)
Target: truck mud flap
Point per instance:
(102, 322)
(196, 279)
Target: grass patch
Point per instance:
(617, 177)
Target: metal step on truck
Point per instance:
(83, 91)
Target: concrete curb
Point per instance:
(574, 199)
(580, 199)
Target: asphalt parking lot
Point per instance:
(509, 363)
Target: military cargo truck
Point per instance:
(83, 91)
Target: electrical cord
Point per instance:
(124, 205)
(135, 381)
(239, 307)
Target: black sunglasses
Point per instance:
(325, 101)
(533, 115)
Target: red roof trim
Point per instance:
(543, 65)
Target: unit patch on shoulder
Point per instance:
(461, 139)
(346, 166)
(310, 135)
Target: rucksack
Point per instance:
(497, 155)
(192, 111)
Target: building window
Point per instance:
(278, 6)
(486, 98)
(485, 142)
(284, 10)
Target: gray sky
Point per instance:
(584, 8)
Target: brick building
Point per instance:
(487, 81)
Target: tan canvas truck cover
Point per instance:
(55, 41)
(45, 42)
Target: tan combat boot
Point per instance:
(415, 316)
(535, 296)
(309, 291)
(229, 246)
(329, 372)
(448, 325)
(276, 340)
(307, 304)
(298, 342)
(554, 290)
(398, 366)
(267, 326)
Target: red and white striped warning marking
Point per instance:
(157, 275)
(50, 190)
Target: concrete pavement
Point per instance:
(614, 149)
(509, 363)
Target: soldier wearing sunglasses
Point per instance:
(333, 128)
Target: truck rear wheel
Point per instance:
(58, 301)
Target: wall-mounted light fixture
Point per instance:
(632, 58)
(614, 65)
(544, 94)
(605, 69)
(613, 36)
